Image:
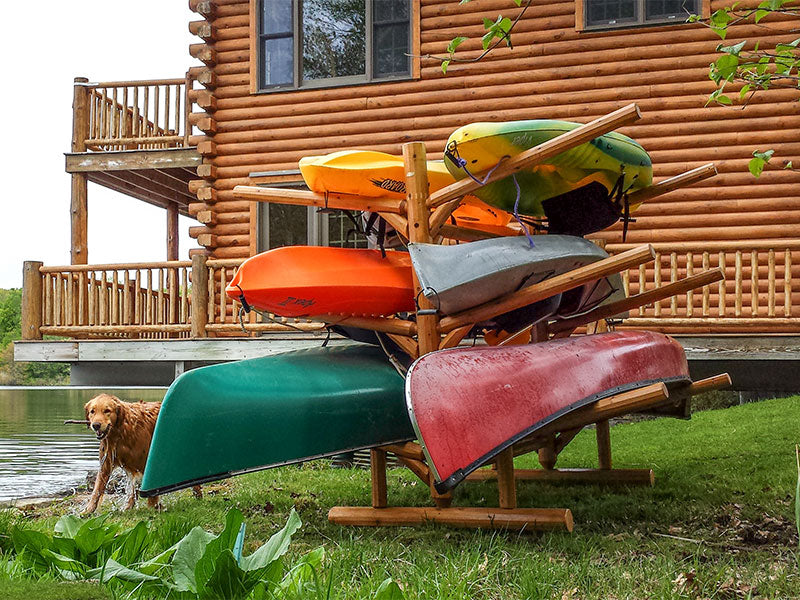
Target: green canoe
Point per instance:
(232, 418)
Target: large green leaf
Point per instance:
(227, 580)
(69, 567)
(275, 547)
(189, 550)
(132, 544)
(112, 569)
(30, 545)
(68, 525)
(152, 566)
(226, 540)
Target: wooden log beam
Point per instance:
(306, 198)
(199, 316)
(542, 152)
(654, 295)
(386, 325)
(549, 287)
(595, 476)
(520, 519)
(377, 465)
(673, 183)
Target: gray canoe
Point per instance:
(455, 278)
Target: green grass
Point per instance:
(718, 524)
(28, 589)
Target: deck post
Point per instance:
(32, 285)
(172, 232)
(199, 316)
(79, 205)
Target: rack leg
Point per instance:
(603, 444)
(506, 483)
(377, 465)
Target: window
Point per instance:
(289, 225)
(315, 43)
(603, 14)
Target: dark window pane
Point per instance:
(609, 12)
(276, 16)
(334, 38)
(390, 10)
(341, 232)
(276, 61)
(390, 50)
(288, 225)
(661, 9)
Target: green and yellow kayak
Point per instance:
(232, 418)
(591, 169)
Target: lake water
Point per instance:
(39, 455)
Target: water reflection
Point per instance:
(39, 455)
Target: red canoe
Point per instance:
(305, 281)
(469, 404)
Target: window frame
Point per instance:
(581, 16)
(298, 83)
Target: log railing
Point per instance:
(159, 300)
(139, 300)
(760, 292)
(132, 115)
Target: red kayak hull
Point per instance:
(469, 404)
(306, 281)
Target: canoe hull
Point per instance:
(305, 281)
(243, 416)
(469, 404)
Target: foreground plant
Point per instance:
(201, 565)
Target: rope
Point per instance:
(401, 370)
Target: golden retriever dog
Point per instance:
(125, 430)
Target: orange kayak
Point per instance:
(305, 281)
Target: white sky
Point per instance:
(45, 45)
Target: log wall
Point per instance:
(554, 71)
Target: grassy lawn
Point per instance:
(719, 522)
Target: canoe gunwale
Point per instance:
(228, 474)
(445, 485)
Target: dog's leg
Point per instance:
(198, 493)
(99, 485)
(153, 502)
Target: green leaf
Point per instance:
(132, 544)
(756, 166)
(275, 547)
(487, 39)
(788, 165)
(68, 526)
(113, 570)
(719, 22)
(760, 14)
(152, 566)
(189, 550)
(224, 541)
(93, 535)
(389, 590)
(455, 43)
(744, 91)
(445, 64)
(726, 66)
(75, 568)
(29, 539)
(227, 580)
(734, 50)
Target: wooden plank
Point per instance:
(307, 198)
(45, 351)
(520, 519)
(122, 160)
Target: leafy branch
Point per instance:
(497, 32)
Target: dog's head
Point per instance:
(103, 412)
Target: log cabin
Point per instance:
(282, 79)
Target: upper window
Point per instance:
(622, 13)
(308, 43)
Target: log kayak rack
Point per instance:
(421, 218)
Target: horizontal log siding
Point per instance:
(554, 71)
